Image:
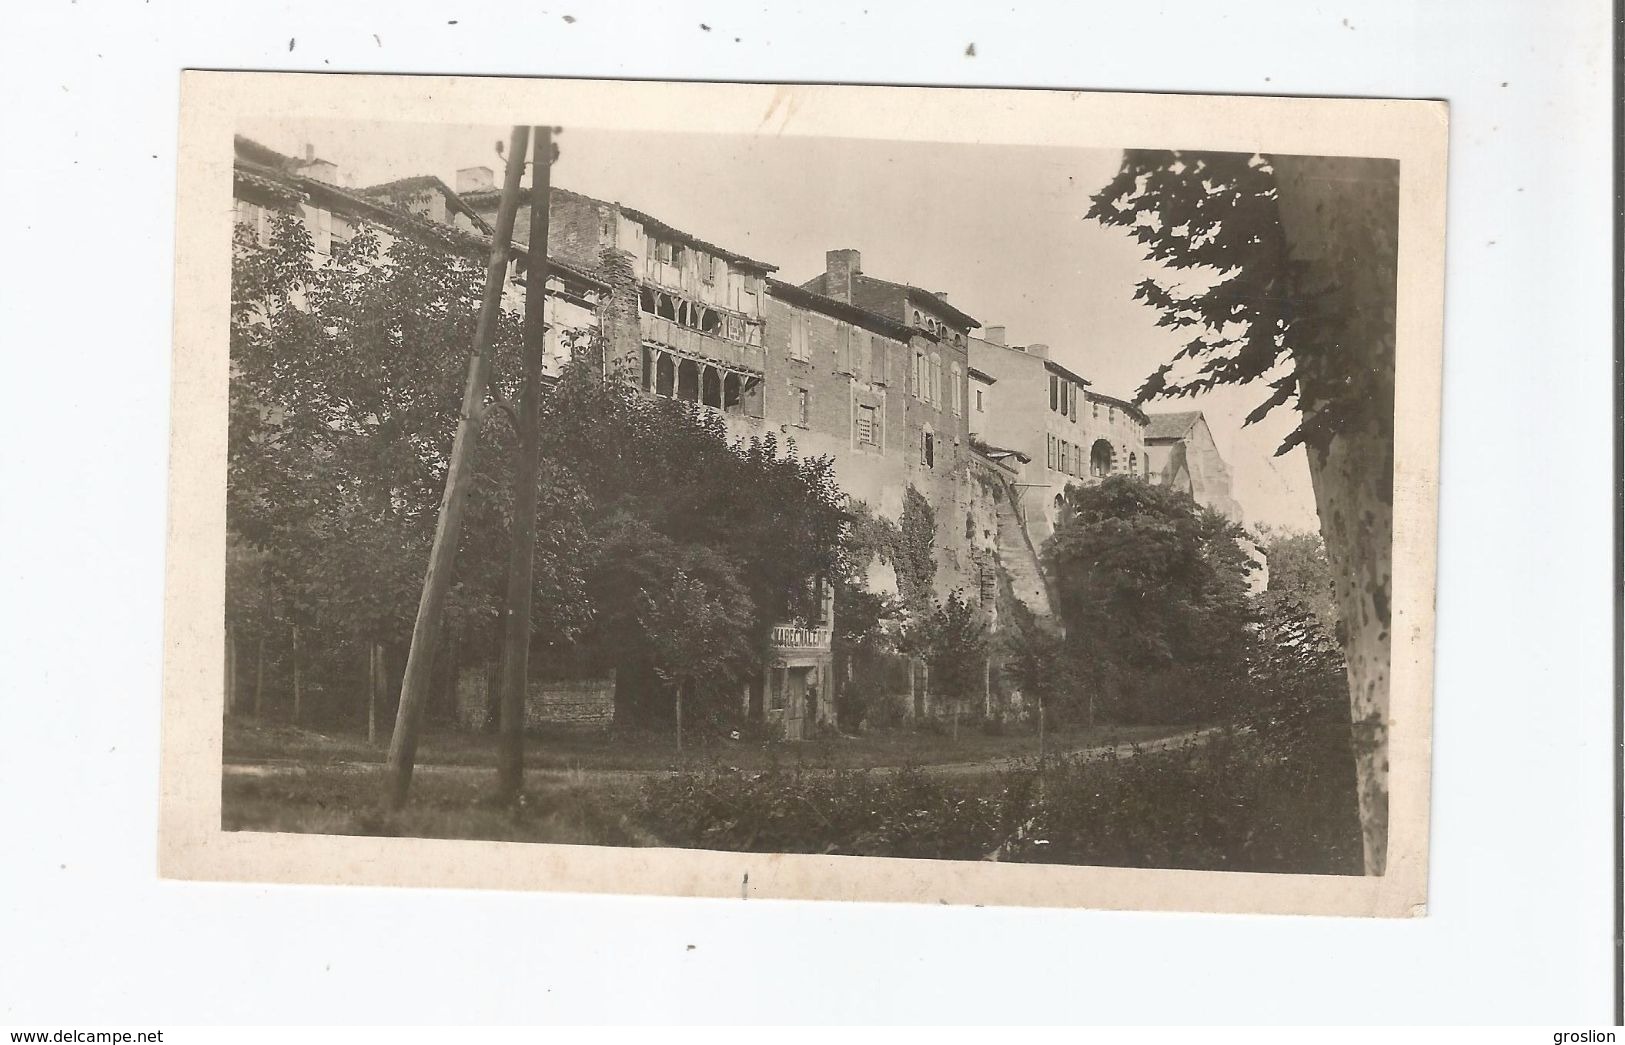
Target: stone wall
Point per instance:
(584, 703)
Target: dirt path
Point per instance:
(266, 767)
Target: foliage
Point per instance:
(1153, 590)
(1217, 215)
(913, 553)
(656, 537)
(1217, 806)
(952, 639)
(1298, 567)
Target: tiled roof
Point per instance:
(1171, 426)
(839, 309)
(1055, 368)
(1121, 404)
(925, 297)
(650, 223)
(655, 226)
(291, 185)
(433, 183)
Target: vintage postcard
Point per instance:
(847, 493)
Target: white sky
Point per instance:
(1000, 228)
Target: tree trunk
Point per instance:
(680, 686)
(375, 685)
(259, 678)
(1354, 495)
(403, 743)
(298, 694)
(454, 668)
(231, 670)
(1340, 218)
(522, 540)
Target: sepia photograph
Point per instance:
(703, 488)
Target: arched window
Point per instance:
(1133, 463)
(1060, 502)
(1100, 458)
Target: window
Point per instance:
(258, 220)
(319, 223)
(936, 380)
(1111, 415)
(1049, 451)
(798, 406)
(1096, 410)
(1133, 463)
(1074, 403)
(867, 424)
(979, 408)
(662, 251)
(1065, 464)
(955, 395)
(1100, 459)
(798, 336)
(708, 269)
(919, 373)
(843, 348)
(1054, 393)
(928, 449)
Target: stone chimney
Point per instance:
(322, 170)
(474, 179)
(995, 335)
(839, 268)
(1039, 350)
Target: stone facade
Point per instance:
(1182, 454)
(579, 703)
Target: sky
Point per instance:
(1000, 228)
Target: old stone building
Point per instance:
(1182, 454)
(1071, 432)
(887, 380)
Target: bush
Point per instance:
(1233, 804)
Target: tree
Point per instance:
(952, 639)
(672, 501)
(345, 378)
(1298, 567)
(1297, 261)
(1153, 590)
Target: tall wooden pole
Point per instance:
(403, 743)
(522, 547)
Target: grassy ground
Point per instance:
(247, 742)
(344, 800)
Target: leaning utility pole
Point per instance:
(522, 550)
(403, 744)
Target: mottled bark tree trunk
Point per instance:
(1341, 221)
